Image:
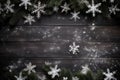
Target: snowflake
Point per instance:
(9, 7)
(12, 67)
(93, 8)
(85, 69)
(20, 77)
(75, 78)
(1, 9)
(39, 8)
(55, 9)
(75, 16)
(25, 3)
(65, 7)
(109, 75)
(74, 48)
(113, 9)
(30, 68)
(54, 71)
(65, 78)
(29, 19)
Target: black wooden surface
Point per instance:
(49, 38)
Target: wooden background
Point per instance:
(48, 40)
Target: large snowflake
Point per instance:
(20, 77)
(54, 71)
(39, 8)
(25, 3)
(113, 9)
(109, 75)
(9, 7)
(65, 7)
(93, 8)
(29, 19)
(74, 48)
(75, 16)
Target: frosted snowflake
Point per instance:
(20, 77)
(75, 78)
(39, 8)
(25, 3)
(85, 69)
(65, 78)
(54, 71)
(74, 48)
(9, 7)
(109, 75)
(75, 16)
(113, 9)
(29, 19)
(93, 8)
(65, 7)
(30, 68)
(1, 8)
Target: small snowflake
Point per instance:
(1, 8)
(9, 7)
(29, 19)
(55, 9)
(75, 78)
(25, 3)
(74, 48)
(65, 7)
(109, 75)
(39, 8)
(65, 78)
(20, 77)
(54, 71)
(113, 9)
(93, 8)
(85, 69)
(30, 68)
(75, 16)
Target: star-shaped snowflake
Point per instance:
(1, 9)
(109, 75)
(75, 16)
(39, 8)
(25, 3)
(74, 48)
(9, 7)
(85, 69)
(65, 7)
(30, 68)
(113, 9)
(54, 71)
(20, 77)
(93, 8)
(75, 78)
(29, 19)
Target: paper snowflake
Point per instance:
(54, 71)
(29, 19)
(30, 68)
(65, 78)
(75, 78)
(74, 48)
(85, 69)
(93, 8)
(20, 77)
(65, 7)
(9, 7)
(39, 8)
(25, 3)
(75, 16)
(1, 9)
(113, 9)
(109, 75)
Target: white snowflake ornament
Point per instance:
(65, 8)
(74, 48)
(30, 68)
(39, 8)
(29, 19)
(109, 75)
(54, 71)
(75, 78)
(25, 3)
(113, 9)
(9, 7)
(93, 8)
(85, 69)
(75, 16)
(20, 77)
